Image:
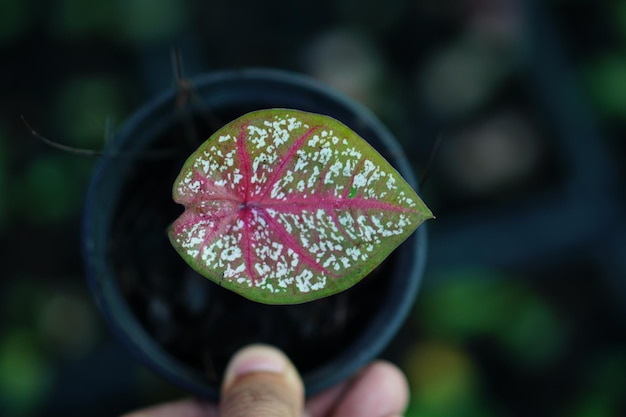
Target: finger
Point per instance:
(184, 408)
(261, 381)
(380, 390)
(322, 404)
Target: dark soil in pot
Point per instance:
(186, 326)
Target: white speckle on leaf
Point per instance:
(302, 161)
(330, 260)
(320, 284)
(347, 169)
(354, 253)
(195, 237)
(231, 253)
(359, 180)
(231, 272)
(262, 269)
(325, 154)
(303, 281)
(313, 178)
(293, 124)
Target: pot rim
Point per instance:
(378, 333)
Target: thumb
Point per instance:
(260, 381)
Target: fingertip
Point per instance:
(380, 390)
(394, 379)
(261, 380)
(253, 359)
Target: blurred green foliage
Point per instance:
(601, 392)
(14, 19)
(145, 21)
(140, 21)
(467, 303)
(605, 80)
(83, 106)
(20, 301)
(51, 188)
(67, 323)
(46, 322)
(76, 18)
(25, 369)
(468, 308)
(476, 303)
(4, 176)
(617, 11)
(444, 380)
(25, 373)
(534, 336)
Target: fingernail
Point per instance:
(252, 359)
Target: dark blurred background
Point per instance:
(523, 307)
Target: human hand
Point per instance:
(261, 381)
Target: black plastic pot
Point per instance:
(184, 326)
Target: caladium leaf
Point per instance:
(283, 207)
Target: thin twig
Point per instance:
(152, 154)
(57, 145)
(188, 94)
